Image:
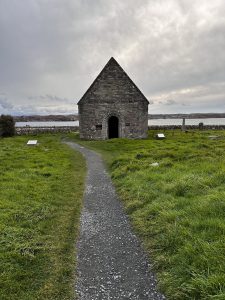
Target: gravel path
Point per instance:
(111, 262)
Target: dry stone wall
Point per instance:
(187, 127)
(53, 129)
(38, 130)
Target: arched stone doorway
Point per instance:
(113, 127)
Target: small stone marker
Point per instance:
(32, 142)
(201, 126)
(155, 164)
(160, 136)
(183, 128)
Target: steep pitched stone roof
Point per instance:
(111, 64)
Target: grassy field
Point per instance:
(177, 208)
(40, 201)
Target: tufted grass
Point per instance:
(40, 201)
(178, 208)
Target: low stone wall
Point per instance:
(67, 129)
(188, 127)
(53, 129)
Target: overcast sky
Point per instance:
(52, 50)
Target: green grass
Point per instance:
(178, 208)
(40, 201)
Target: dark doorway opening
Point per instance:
(113, 127)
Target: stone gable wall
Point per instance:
(113, 94)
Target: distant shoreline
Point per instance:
(71, 117)
(47, 118)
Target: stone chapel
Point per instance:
(113, 107)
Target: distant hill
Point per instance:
(71, 117)
(48, 118)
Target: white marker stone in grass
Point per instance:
(155, 164)
(32, 142)
(160, 136)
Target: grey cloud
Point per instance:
(201, 98)
(52, 98)
(182, 53)
(55, 49)
(5, 104)
(170, 102)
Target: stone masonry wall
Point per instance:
(113, 94)
(187, 127)
(52, 129)
(67, 129)
(133, 120)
